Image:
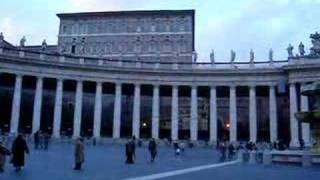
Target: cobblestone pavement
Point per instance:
(107, 162)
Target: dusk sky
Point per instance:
(221, 25)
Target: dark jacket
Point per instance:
(19, 148)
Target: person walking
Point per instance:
(19, 148)
(36, 140)
(78, 154)
(46, 140)
(130, 151)
(3, 153)
(152, 149)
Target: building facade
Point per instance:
(75, 95)
(163, 36)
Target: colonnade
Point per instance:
(213, 127)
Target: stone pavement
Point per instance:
(107, 162)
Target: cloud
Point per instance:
(6, 26)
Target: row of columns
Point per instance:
(156, 108)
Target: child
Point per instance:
(3, 153)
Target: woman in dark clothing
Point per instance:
(152, 149)
(19, 148)
(130, 152)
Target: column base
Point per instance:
(294, 144)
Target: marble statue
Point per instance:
(251, 56)
(44, 45)
(194, 56)
(301, 49)
(212, 56)
(315, 49)
(83, 46)
(290, 50)
(270, 54)
(1, 36)
(233, 56)
(23, 41)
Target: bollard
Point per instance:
(267, 158)
(306, 160)
(252, 157)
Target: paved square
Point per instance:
(107, 162)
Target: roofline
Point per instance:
(120, 13)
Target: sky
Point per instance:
(221, 25)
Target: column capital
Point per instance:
(138, 84)
(156, 85)
(174, 86)
(18, 75)
(40, 78)
(232, 86)
(213, 85)
(99, 83)
(118, 83)
(253, 86)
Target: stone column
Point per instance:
(97, 111)
(15, 112)
(117, 111)
(136, 111)
(37, 106)
(253, 114)
(213, 115)
(58, 109)
(293, 121)
(306, 134)
(273, 114)
(194, 114)
(78, 110)
(233, 114)
(155, 112)
(174, 113)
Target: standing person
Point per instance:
(130, 151)
(78, 154)
(231, 151)
(176, 149)
(19, 148)
(36, 140)
(223, 150)
(3, 153)
(46, 140)
(41, 138)
(152, 149)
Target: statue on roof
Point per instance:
(315, 40)
(44, 45)
(23, 41)
(233, 56)
(212, 56)
(1, 36)
(290, 51)
(270, 55)
(251, 56)
(301, 49)
(194, 56)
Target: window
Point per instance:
(153, 28)
(73, 49)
